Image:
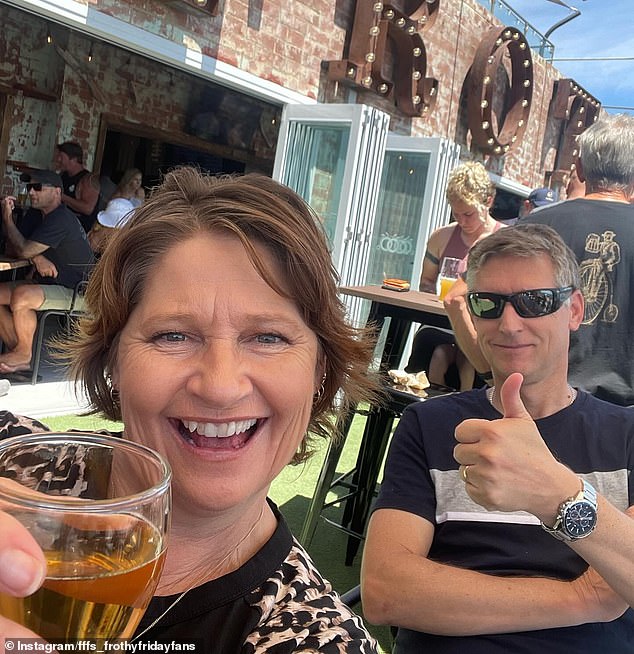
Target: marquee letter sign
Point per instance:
(380, 29)
(578, 109)
(498, 131)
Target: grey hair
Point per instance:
(606, 151)
(526, 241)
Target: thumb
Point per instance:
(512, 405)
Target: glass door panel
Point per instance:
(332, 155)
(398, 216)
(379, 195)
(317, 176)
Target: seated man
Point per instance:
(504, 522)
(62, 258)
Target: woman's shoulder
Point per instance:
(298, 600)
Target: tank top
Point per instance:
(457, 248)
(70, 183)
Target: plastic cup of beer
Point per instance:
(449, 273)
(99, 507)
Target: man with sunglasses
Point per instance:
(505, 517)
(61, 255)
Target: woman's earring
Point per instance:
(321, 390)
(114, 393)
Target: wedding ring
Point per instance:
(463, 473)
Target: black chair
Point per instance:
(352, 597)
(75, 310)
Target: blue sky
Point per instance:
(605, 28)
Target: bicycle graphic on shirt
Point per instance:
(596, 277)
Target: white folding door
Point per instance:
(378, 194)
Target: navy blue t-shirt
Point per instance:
(594, 438)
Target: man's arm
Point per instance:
(429, 273)
(402, 587)
(21, 246)
(610, 548)
(431, 260)
(456, 306)
(510, 468)
(45, 267)
(87, 195)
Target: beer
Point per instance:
(22, 195)
(101, 594)
(444, 284)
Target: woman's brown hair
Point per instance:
(257, 210)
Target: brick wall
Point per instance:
(281, 41)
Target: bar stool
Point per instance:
(361, 481)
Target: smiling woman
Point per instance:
(215, 333)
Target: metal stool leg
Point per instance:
(324, 482)
(380, 428)
(321, 491)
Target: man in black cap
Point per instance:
(61, 256)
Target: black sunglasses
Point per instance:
(528, 304)
(37, 186)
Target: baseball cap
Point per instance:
(542, 196)
(117, 213)
(44, 177)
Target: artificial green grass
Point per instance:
(85, 423)
(292, 491)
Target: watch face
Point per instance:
(580, 519)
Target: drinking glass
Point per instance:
(450, 269)
(21, 195)
(99, 508)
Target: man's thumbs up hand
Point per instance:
(505, 463)
(510, 398)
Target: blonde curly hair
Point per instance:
(470, 183)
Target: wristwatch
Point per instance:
(577, 516)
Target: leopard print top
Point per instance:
(12, 425)
(300, 612)
(276, 603)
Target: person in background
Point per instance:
(116, 214)
(106, 190)
(26, 219)
(230, 373)
(540, 197)
(505, 519)
(62, 257)
(599, 228)
(81, 187)
(130, 187)
(575, 187)
(470, 194)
